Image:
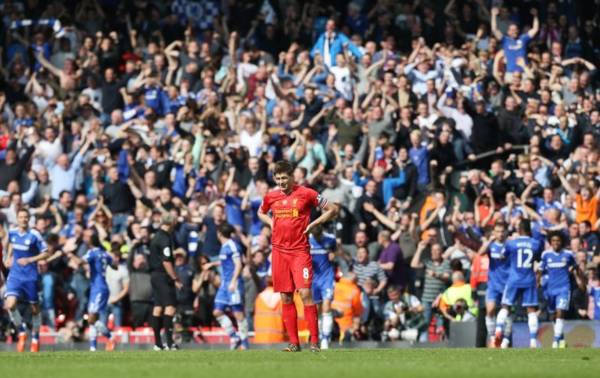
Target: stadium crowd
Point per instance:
(427, 122)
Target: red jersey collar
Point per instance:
(294, 187)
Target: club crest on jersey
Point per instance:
(295, 202)
(284, 202)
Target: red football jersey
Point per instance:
(291, 215)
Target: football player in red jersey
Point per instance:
(290, 206)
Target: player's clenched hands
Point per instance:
(178, 285)
(232, 286)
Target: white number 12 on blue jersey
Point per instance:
(524, 257)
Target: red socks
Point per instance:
(312, 318)
(290, 320)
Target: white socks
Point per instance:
(243, 329)
(559, 325)
(101, 327)
(490, 325)
(508, 326)
(93, 335)
(15, 317)
(327, 325)
(532, 321)
(501, 319)
(226, 324)
(36, 322)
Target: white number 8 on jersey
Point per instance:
(305, 273)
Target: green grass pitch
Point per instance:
(339, 363)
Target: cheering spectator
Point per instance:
(513, 44)
(333, 43)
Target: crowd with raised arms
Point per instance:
(459, 141)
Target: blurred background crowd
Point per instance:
(426, 121)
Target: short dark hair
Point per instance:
(283, 166)
(557, 234)
(23, 210)
(95, 240)
(525, 227)
(52, 239)
(500, 224)
(456, 265)
(225, 229)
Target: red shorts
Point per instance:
(291, 271)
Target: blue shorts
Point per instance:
(322, 287)
(98, 301)
(227, 300)
(558, 300)
(529, 295)
(23, 290)
(494, 293)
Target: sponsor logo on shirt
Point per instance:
(517, 45)
(285, 213)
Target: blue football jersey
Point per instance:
(319, 249)
(499, 265)
(541, 206)
(227, 255)
(98, 260)
(521, 252)
(556, 265)
(27, 244)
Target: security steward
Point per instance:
(164, 283)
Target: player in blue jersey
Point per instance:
(230, 295)
(25, 248)
(557, 264)
(95, 261)
(497, 275)
(521, 282)
(321, 245)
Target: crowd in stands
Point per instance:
(427, 122)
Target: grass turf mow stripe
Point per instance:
(339, 363)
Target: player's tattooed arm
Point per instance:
(33, 259)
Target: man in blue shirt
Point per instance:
(25, 248)
(331, 43)
(96, 260)
(497, 276)
(321, 245)
(419, 155)
(556, 267)
(521, 282)
(234, 205)
(231, 292)
(545, 202)
(155, 97)
(515, 46)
